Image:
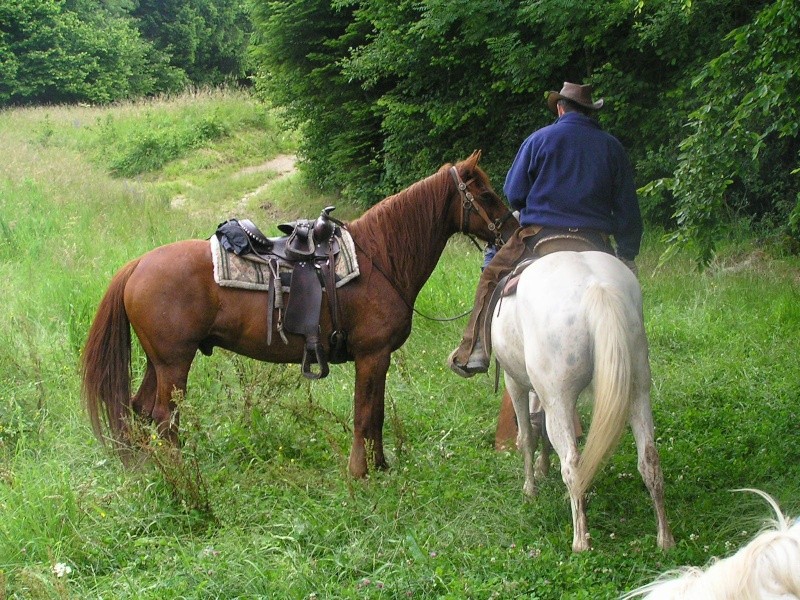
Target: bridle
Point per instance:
(469, 204)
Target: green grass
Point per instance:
(261, 505)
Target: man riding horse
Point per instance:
(573, 185)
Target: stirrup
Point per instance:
(474, 365)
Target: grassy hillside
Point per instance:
(260, 506)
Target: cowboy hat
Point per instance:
(579, 94)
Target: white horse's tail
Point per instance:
(609, 326)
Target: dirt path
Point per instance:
(277, 169)
(283, 165)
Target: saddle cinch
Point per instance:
(303, 261)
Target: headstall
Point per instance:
(468, 204)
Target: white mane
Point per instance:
(768, 568)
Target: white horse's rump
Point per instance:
(576, 319)
(768, 568)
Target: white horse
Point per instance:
(576, 319)
(768, 568)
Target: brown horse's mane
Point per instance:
(405, 233)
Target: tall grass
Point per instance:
(261, 506)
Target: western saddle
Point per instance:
(302, 260)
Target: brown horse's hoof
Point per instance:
(357, 465)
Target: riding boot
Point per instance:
(472, 355)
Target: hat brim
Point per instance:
(553, 97)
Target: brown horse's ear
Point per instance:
(469, 164)
(474, 158)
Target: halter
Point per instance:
(468, 203)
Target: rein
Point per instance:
(468, 204)
(400, 294)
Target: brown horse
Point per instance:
(170, 299)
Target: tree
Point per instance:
(298, 48)
(743, 152)
(388, 90)
(434, 81)
(52, 54)
(205, 39)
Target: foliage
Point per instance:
(298, 46)
(701, 92)
(262, 506)
(387, 91)
(205, 39)
(152, 147)
(51, 54)
(96, 51)
(743, 152)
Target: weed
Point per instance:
(179, 467)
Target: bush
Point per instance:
(150, 148)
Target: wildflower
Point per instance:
(61, 569)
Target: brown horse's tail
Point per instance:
(106, 362)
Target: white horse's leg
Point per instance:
(641, 419)
(561, 431)
(542, 465)
(527, 436)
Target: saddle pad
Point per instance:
(231, 270)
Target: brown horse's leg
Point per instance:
(145, 398)
(505, 436)
(506, 432)
(171, 384)
(368, 414)
(542, 467)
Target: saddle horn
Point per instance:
(324, 225)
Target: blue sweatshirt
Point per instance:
(574, 174)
